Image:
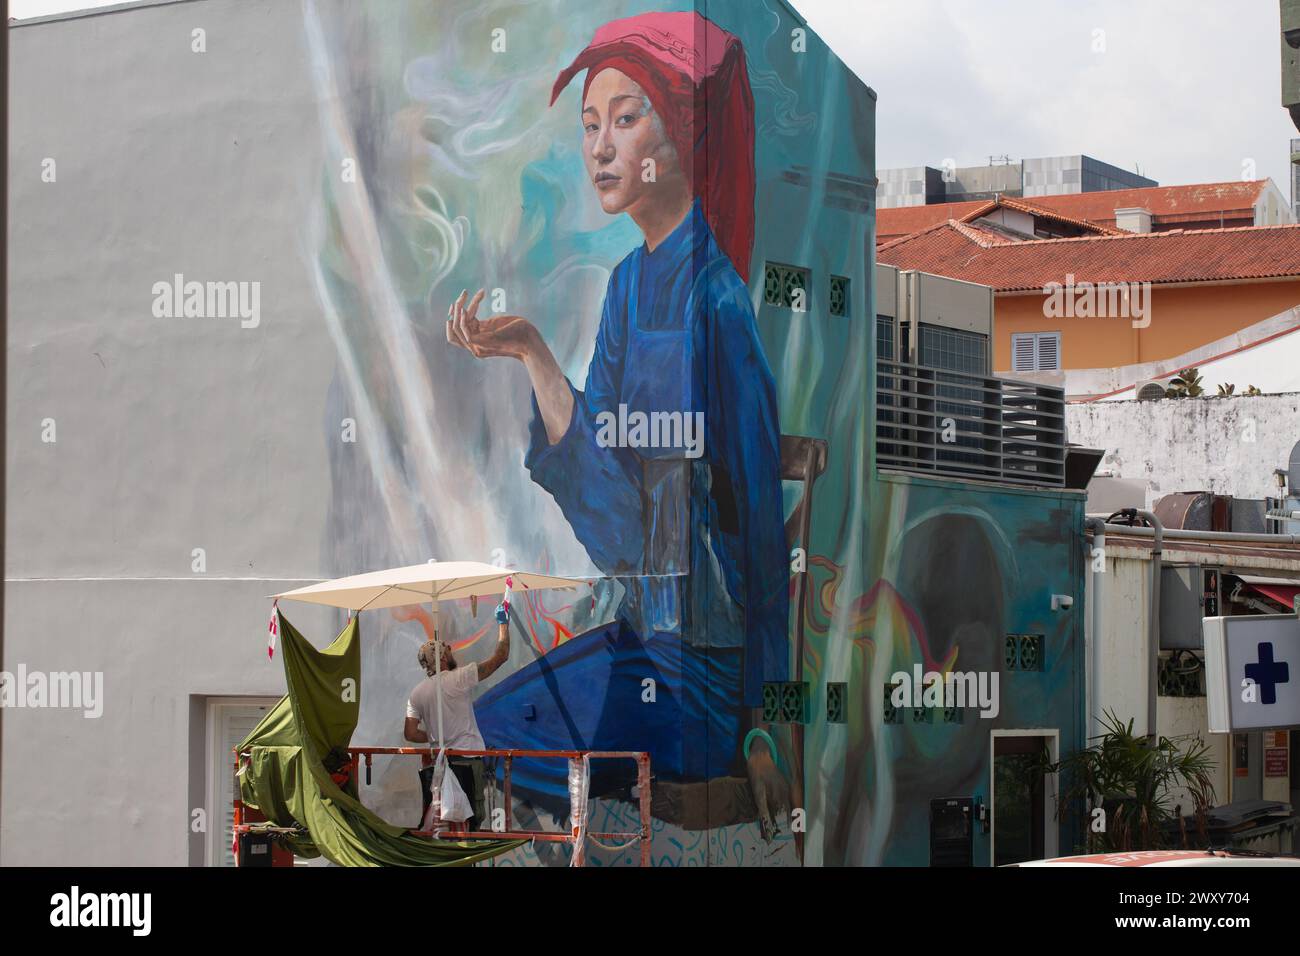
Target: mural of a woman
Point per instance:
(677, 338)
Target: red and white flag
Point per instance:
(273, 627)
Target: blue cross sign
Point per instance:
(1249, 660)
(1268, 673)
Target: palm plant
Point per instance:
(1131, 778)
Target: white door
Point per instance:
(230, 720)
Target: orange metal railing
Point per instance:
(641, 758)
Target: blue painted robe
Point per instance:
(698, 543)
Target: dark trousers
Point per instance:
(463, 768)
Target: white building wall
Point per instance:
(1222, 445)
(1125, 666)
(1122, 643)
(1272, 209)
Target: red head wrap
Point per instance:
(694, 73)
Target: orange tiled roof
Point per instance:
(905, 220)
(1035, 208)
(1204, 255)
(1166, 203)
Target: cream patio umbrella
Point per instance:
(423, 584)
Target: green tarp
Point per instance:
(287, 780)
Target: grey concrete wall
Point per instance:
(1224, 445)
(171, 434)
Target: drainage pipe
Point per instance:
(1153, 622)
(1153, 614)
(1093, 632)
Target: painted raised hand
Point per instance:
(502, 336)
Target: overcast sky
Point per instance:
(1189, 90)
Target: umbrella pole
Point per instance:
(437, 668)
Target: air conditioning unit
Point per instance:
(1153, 388)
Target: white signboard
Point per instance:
(1252, 672)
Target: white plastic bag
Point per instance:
(455, 805)
(450, 805)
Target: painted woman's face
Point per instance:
(627, 152)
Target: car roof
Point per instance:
(1165, 858)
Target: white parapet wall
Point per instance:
(1223, 445)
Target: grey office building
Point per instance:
(1045, 176)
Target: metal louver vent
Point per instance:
(835, 701)
(786, 286)
(785, 702)
(839, 296)
(891, 714)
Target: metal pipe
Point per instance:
(509, 804)
(1225, 536)
(1093, 632)
(437, 676)
(546, 836)
(643, 792)
(1153, 620)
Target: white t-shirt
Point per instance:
(458, 724)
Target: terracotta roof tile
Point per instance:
(1204, 255)
(906, 220)
(1166, 203)
(1035, 208)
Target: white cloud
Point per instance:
(1188, 89)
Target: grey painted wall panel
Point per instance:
(168, 161)
(162, 178)
(72, 784)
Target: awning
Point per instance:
(1281, 590)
